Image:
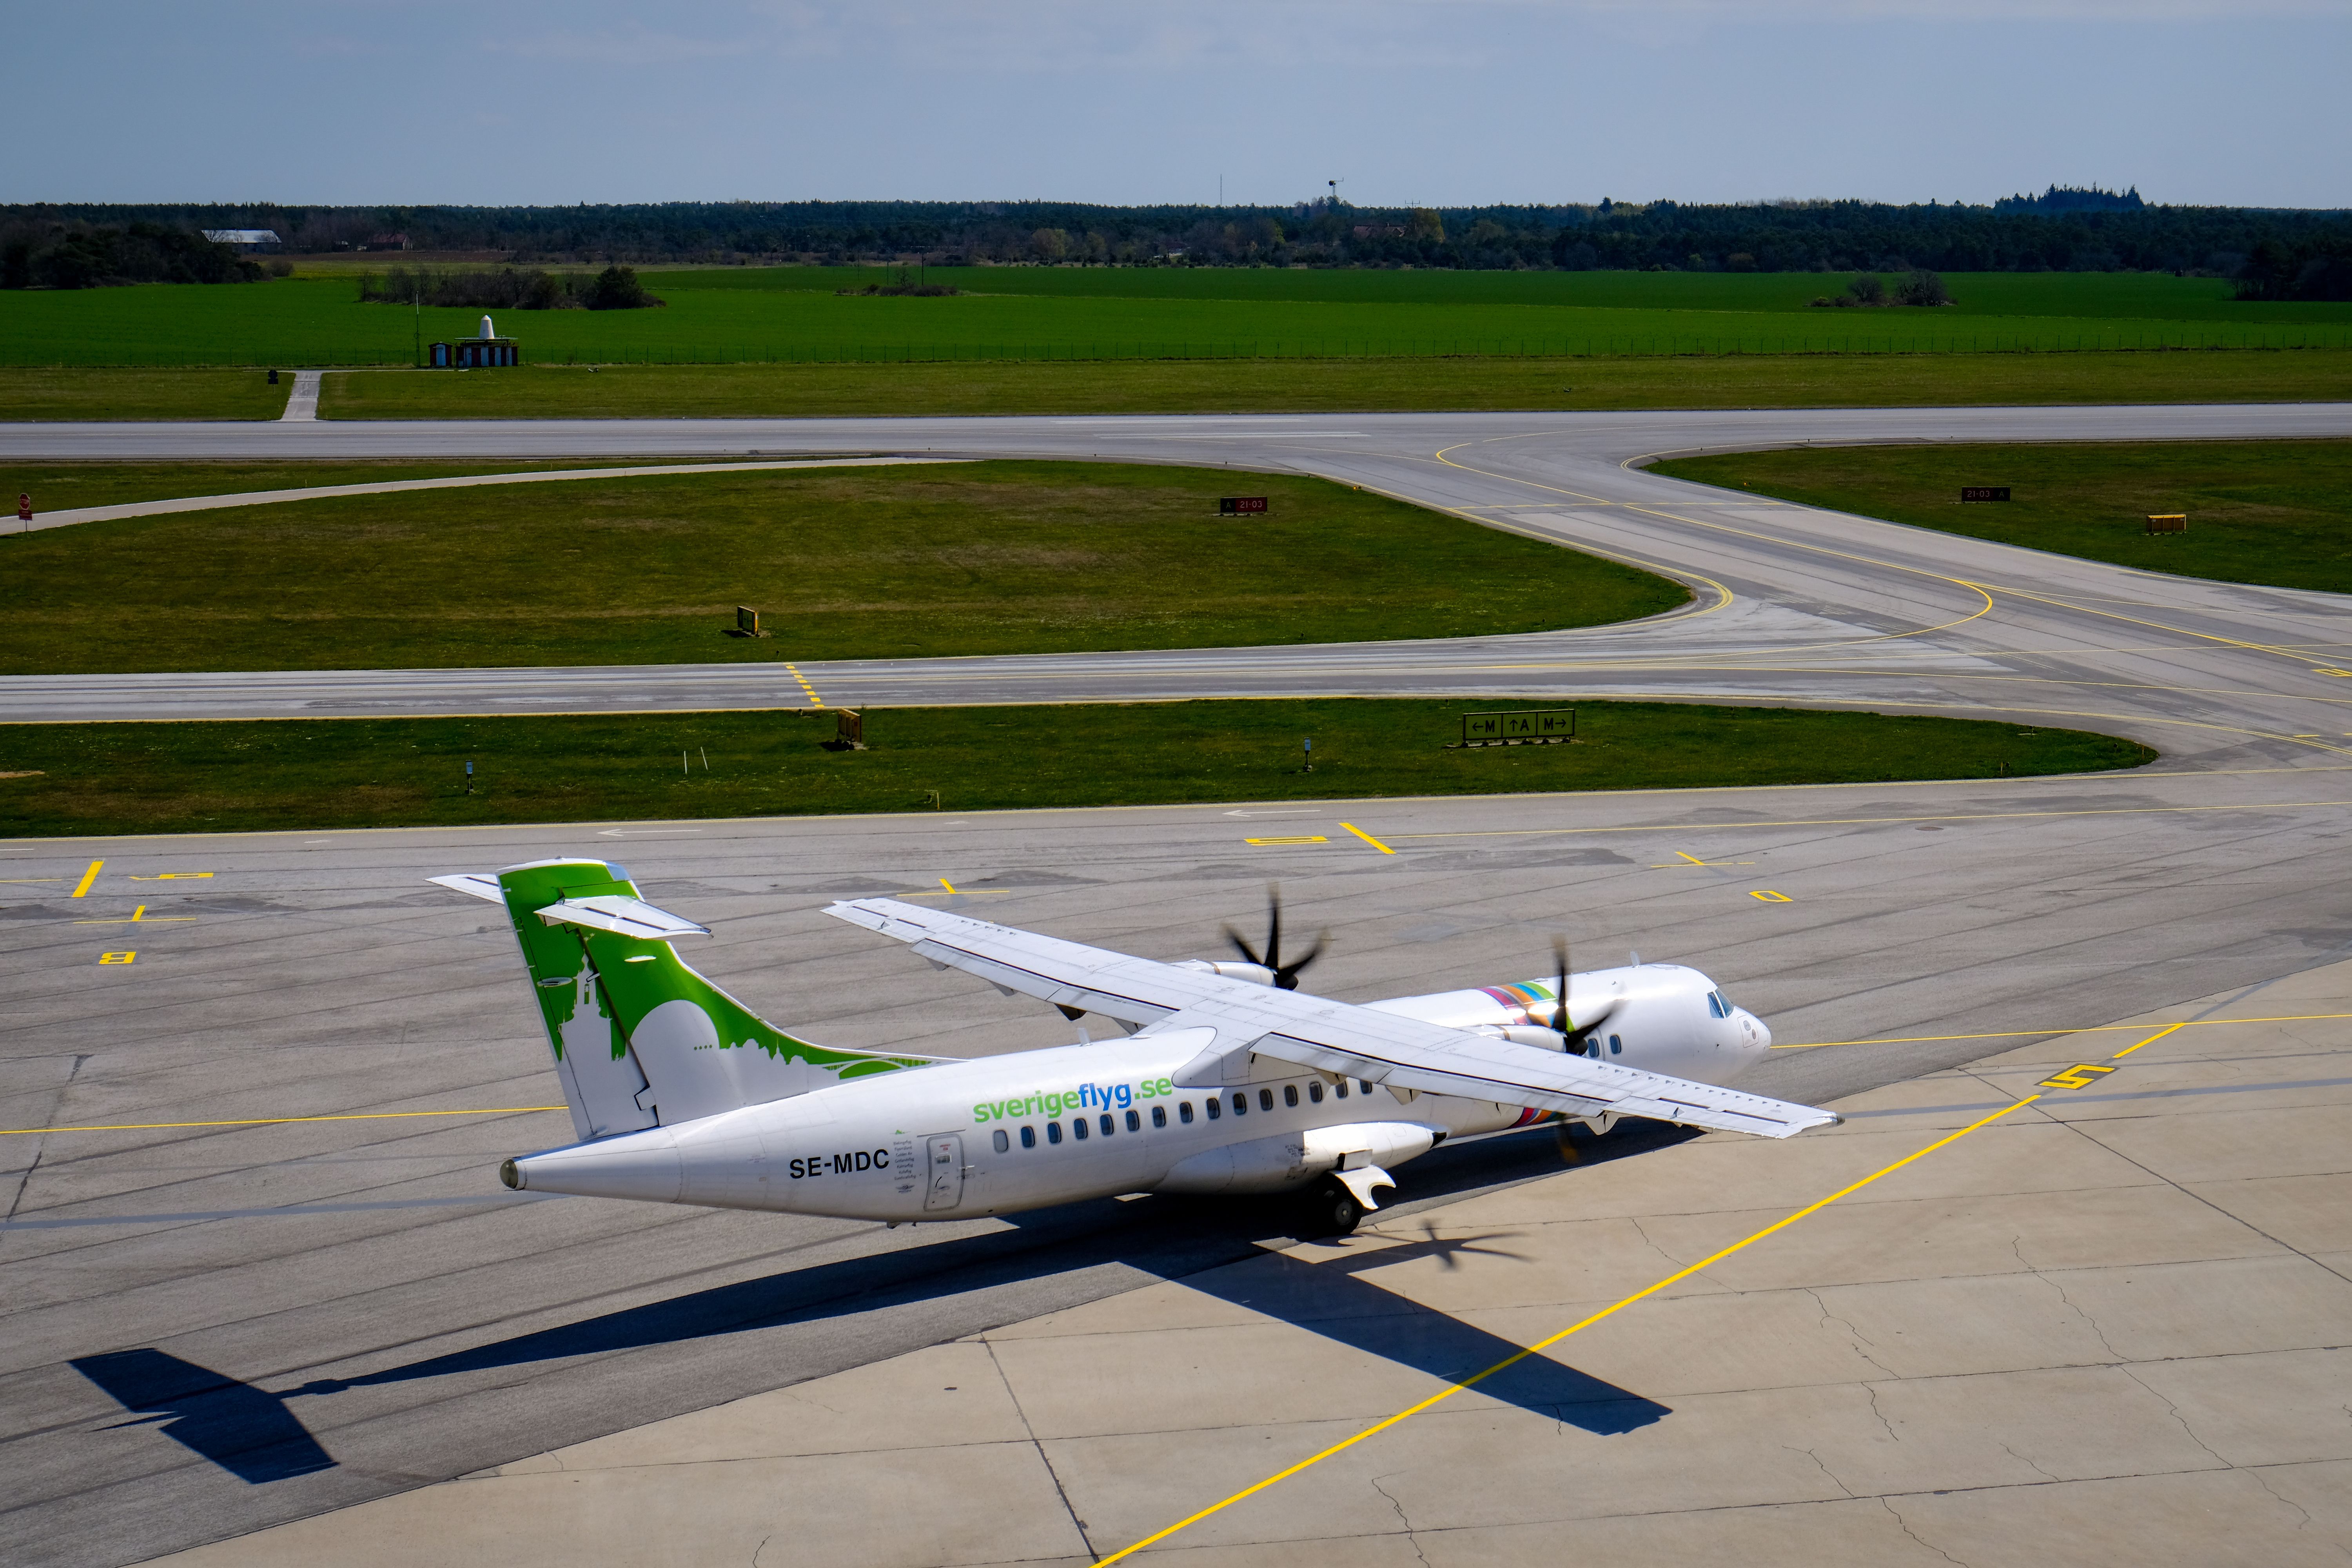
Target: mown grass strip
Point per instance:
(2270, 512)
(321, 773)
(884, 562)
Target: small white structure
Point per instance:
(486, 334)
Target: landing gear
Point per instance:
(1332, 1209)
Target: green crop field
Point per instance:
(2149, 296)
(2274, 512)
(321, 321)
(978, 558)
(321, 773)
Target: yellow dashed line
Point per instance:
(1476, 1378)
(810, 691)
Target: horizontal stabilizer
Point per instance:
(621, 915)
(478, 884)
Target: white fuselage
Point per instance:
(1037, 1128)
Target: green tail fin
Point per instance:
(640, 1038)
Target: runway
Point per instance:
(362, 1285)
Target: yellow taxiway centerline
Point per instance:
(1511, 1361)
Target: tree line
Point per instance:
(2061, 230)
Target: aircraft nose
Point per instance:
(1763, 1034)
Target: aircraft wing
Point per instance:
(1316, 1032)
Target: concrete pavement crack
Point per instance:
(2028, 1464)
(1856, 1336)
(1409, 1533)
(1872, 1389)
(1825, 1470)
(1904, 1526)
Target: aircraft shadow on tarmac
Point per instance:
(243, 1429)
(254, 1434)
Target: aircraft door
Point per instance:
(943, 1160)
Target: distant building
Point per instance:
(386, 242)
(485, 352)
(246, 239)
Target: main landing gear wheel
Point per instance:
(1332, 1210)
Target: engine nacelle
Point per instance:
(1256, 973)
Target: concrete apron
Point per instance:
(2097, 1331)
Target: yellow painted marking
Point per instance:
(2073, 1077)
(2091, 1029)
(794, 672)
(139, 917)
(2324, 670)
(948, 885)
(117, 957)
(2149, 1041)
(13, 880)
(86, 879)
(1610, 1310)
(1312, 838)
(1769, 897)
(273, 1120)
(1689, 859)
(174, 876)
(1368, 838)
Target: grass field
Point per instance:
(1864, 381)
(319, 322)
(71, 486)
(2274, 512)
(2151, 296)
(310, 775)
(982, 558)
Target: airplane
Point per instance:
(1224, 1079)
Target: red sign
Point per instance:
(1233, 506)
(24, 508)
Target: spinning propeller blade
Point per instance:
(1286, 975)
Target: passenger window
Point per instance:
(1616, 1045)
(1135, 1122)
(1184, 1113)
(1028, 1137)
(1002, 1142)
(1078, 1128)
(1215, 1107)
(1265, 1099)
(1314, 1091)
(1343, 1090)
(1289, 1094)
(1160, 1116)
(1108, 1126)
(1241, 1102)
(1592, 1050)
(1053, 1133)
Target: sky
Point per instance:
(1428, 102)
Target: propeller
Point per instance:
(1571, 1035)
(1286, 975)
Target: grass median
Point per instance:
(2269, 513)
(1195, 386)
(305, 774)
(907, 561)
